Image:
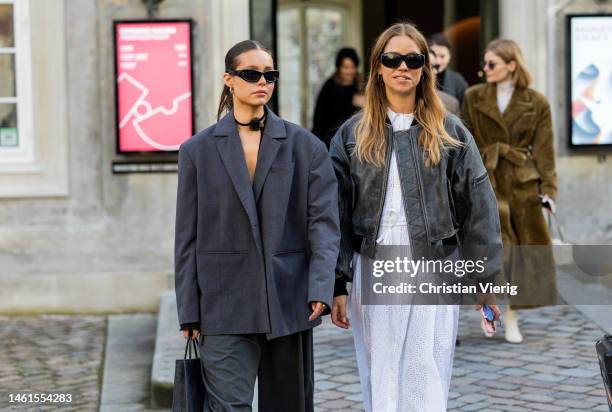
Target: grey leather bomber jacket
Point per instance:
(451, 203)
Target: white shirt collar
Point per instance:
(400, 121)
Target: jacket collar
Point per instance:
(275, 128)
(519, 103)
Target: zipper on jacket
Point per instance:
(386, 177)
(420, 185)
(405, 210)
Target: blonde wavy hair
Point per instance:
(371, 144)
(509, 51)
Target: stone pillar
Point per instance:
(525, 21)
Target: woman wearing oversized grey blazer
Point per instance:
(257, 238)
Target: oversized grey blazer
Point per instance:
(250, 257)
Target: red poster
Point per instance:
(154, 100)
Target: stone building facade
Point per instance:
(74, 237)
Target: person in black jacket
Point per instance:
(339, 98)
(449, 81)
(450, 102)
(410, 181)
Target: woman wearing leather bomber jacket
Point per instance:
(401, 163)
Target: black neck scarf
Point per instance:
(255, 124)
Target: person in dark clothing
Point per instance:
(339, 98)
(256, 244)
(449, 81)
(450, 102)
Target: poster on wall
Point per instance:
(153, 86)
(590, 80)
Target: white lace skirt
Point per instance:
(404, 352)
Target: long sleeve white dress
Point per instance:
(404, 352)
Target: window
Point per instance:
(33, 99)
(16, 140)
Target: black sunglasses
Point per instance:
(394, 60)
(253, 76)
(489, 65)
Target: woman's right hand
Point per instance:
(338, 312)
(195, 333)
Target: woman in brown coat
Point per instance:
(512, 126)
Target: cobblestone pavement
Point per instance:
(554, 369)
(52, 354)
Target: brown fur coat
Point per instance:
(517, 148)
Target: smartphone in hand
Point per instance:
(488, 320)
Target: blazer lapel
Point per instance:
(271, 142)
(232, 155)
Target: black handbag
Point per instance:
(604, 353)
(189, 392)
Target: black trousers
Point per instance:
(284, 368)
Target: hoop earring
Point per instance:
(231, 89)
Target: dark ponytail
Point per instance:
(227, 103)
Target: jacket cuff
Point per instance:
(550, 190)
(190, 325)
(340, 287)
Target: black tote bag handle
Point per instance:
(193, 341)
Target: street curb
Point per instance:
(129, 347)
(169, 346)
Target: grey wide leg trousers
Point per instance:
(284, 368)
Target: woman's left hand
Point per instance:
(548, 203)
(495, 310)
(194, 333)
(317, 309)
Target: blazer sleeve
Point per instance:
(476, 210)
(543, 154)
(185, 267)
(323, 227)
(341, 163)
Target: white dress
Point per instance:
(404, 352)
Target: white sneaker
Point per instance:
(513, 333)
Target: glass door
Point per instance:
(309, 36)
